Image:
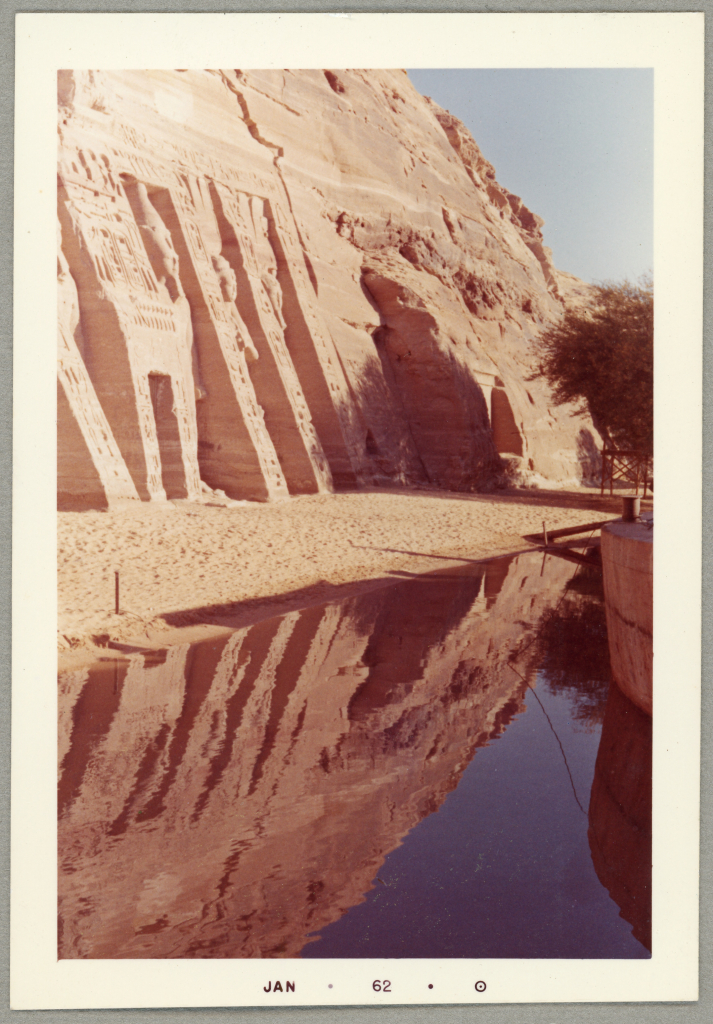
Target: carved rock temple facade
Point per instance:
(277, 283)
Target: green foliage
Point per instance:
(601, 356)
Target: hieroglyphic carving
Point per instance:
(229, 290)
(155, 324)
(168, 159)
(286, 232)
(245, 214)
(114, 245)
(232, 334)
(147, 423)
(111, 242)
(97, 152)
(81, 396)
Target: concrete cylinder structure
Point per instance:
(628, 564)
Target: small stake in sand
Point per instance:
(544, 531)
(116, 591)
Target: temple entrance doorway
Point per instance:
(173, 473)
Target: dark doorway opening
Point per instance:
(506, 435)
(173, 473)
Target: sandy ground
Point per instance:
(186, 565)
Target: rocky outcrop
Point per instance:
(283, 282)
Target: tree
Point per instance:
(573, 648)
(601, 356)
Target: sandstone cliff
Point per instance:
(285, 282)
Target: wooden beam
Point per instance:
(569, 531)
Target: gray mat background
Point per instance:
(552, 1013)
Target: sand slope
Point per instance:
(186, 563)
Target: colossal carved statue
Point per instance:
(272, 287)
(267, 260)
(67, 298)
(229, 291)
(165, 263)
(157, 239)
(226, 278)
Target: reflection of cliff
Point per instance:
(620, 812)
(232, 797)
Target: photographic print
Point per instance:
(355, 533)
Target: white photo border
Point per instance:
(671, 43)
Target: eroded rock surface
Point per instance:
(290, 281)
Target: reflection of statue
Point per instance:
(229, 291)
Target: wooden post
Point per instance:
(544, 531)
(116, 591)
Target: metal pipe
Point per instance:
(631, 508)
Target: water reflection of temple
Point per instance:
(228, 798)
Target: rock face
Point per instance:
(284, 282)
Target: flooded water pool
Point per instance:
(438, 768)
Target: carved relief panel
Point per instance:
(114, 244)
(202, 241)
(284, 231)
(79, 391)
(155, 329)
(246, 216)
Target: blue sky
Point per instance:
(576, 145)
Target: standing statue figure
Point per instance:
(265, 256)
(164, 261)
(67, 299)
(158, 242)
(229, 291)
(226, 278)
(274, 291)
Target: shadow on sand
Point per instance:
(237, 614)
(585, 500)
